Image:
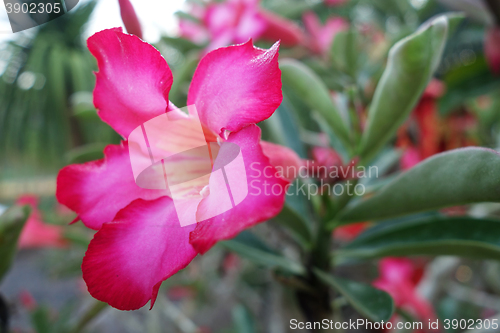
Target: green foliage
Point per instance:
(457, 177)
(247, 245)
(309, 87)
(460, 236)
(372, 303)
(42, 73)
(411, 64)
(11, 224)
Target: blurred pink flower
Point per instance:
(27, 300)
(321, 36)
(492, 48)
(399, 277)
(237, 21)
(139, 242)
(129, 18)
(36, 233)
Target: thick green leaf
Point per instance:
(345, 51)
(411, 64)
(309, 87)
(372, 303)
(11, 225)
(299, 228)
(249, 246)
(456, 177)
(460, 236)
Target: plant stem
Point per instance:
(89, 315)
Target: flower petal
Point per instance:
(97, 190)
(285, 160)
(261, 203)
(280, 28)
(36, 233)
(236, 86)
(133, 81)
(129, 258)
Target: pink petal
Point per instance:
(434, 89)
(251, 25)
(285, 160)
(280, 28)
(410, 158)
(97, 190)
(261, 203)
(129, 258)
(323, 36)
(397, 278)
(133, 81)
(193, 31)
(236, 86)
(36, 233)
(129, 18)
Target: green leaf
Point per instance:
(243, 320)
(299, 228)
(11, 225)
(460, 236)
(40, 318)
(249, 246)
(309, 87)
(86, 153)
(345, 51)
(370, 302)
(411, 64)
(456, 177)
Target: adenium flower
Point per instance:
(399, 277)
(321, 36)
(235, 21)
(36, 233)
(129, 18)
(139, 242)
(492, 48)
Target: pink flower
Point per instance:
(129, 18)
(321, 36)
(492, 48)
(236, 21)
(139, 242)
(399, 277)
(325, 162)
(36, 233)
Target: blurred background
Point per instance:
(47, 121)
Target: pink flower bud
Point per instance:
(129, 18)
